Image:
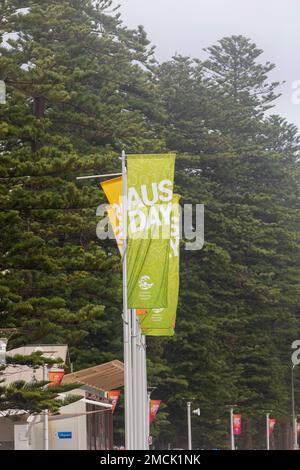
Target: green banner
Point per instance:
(161, 322)
(149, 204)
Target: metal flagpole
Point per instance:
(145, 400)
(139, 385)
(87, 177)
(126, 319)
(127, 333)
(135, 408)
(146, 396)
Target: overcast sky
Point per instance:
(186, 26)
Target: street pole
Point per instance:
(139, 378)
(139, 390)
(46, 416)
(268, 430)
(189, 425)
(145, 404)
(135, 384)
(130, 373)
(126, 319)
(295, 437)
(231, 429)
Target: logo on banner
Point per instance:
(144, 283)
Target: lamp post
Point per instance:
(188, 403)
(189, 420)
(268, 430)
(46, 415)
(295, 437)
(232, 443)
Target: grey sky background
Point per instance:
(187, 26)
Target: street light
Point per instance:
(189, 420)
(295, 437)
(189, 425)
(232, 444)
(268, 429)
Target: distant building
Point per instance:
(86, 424)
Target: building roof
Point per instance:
(53, 351)
(103, 377)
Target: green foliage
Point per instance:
(34, 397)
(34, 360)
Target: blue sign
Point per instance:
(64, 435)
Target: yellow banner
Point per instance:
(113, 191)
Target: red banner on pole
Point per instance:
(237, 424)
(114, 396)
(272, 423)
(298, 427)
(154, 407)
(55, 377)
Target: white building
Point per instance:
(86, 424)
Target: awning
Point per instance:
(104, 377)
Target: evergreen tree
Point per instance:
(79, 88)
(240, 82)
(237, 315)
(34, 396)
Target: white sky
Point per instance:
(187, 26)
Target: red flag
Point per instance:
(154, 406)
(114, 396)
(55, 377)
(272, 423)
(237, 424)
(298, 427)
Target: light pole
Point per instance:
(231, 410)
(231, 429)
(268, 430)
(46, 415)
(295, 437)
(189, 424)
(189, 420)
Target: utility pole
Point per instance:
(232, 443)
(294, 427)
(268, 430)
(46, 415)
(189, 425)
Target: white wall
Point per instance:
(30, 436)
(6, 433)
(76, 425)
